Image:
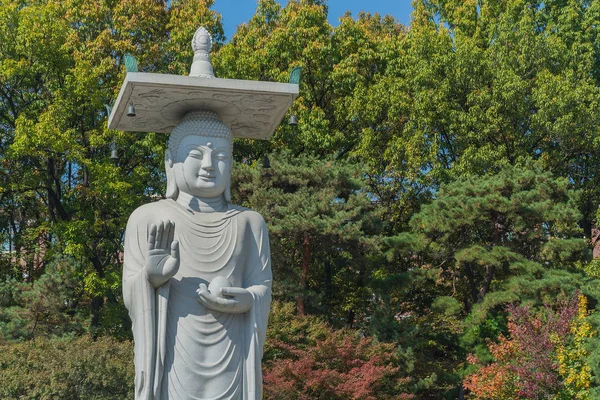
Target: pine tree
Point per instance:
(320, 224)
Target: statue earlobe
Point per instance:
(227, 193)
(172, 190)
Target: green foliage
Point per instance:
(476, 85)
(544, 356)
(312, 206)
(483, 231)
(482, 242)
(46, 308)
(446, 305)
(67, 369)
(336, 63)
(286, 327)
(405, 203)
(61, 64)
(61, 194)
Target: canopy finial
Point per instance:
(202, 43)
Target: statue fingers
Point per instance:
(171, 235)
(166, 239)
(213, 302)
(204, 294)
(165, 235)
(152, 237)
(233, 291)
(175, 249)
(166, 229)
(202, 291)
(159, 236)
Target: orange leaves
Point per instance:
(544, 357)
(494, 381)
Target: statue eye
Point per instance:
(221, 155)
(196, 154)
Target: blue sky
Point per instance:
(235, 12)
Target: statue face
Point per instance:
(202, 166)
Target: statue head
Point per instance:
(198, 159)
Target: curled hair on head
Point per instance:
(198, 123)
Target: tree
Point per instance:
(478, 85)
(484, 242)
(533, 363)
(486, 229)
(61, 193)
(48, 308)
(573, 357)
(313, 206)
(423, 138)
(336, 63)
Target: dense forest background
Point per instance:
(432, 216)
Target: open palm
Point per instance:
(163, 253)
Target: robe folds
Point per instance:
(182, 349)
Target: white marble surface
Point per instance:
(197, 269)
(197, 277)
(252, 109)
(201, 44)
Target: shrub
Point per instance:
(543, 357)
(306, 359)
(67, 369)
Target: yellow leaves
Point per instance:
(140, 28)
(10, 68)
(48, 135)
(572, 356)
(41, 28)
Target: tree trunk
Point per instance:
(350, 318)
(487, 281)
(97, 303)
(300, 304)
(468, 272)
(328, 281)
(97, 300)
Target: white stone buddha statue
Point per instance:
(197, 276)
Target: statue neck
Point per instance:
(202, 204)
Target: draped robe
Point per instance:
(182, 349)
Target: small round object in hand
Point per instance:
(217, 283)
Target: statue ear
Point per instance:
(227, 193)
(172, 189)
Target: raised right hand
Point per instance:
(162, 262)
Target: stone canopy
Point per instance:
(252, 109)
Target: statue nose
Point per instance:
(207, 164)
